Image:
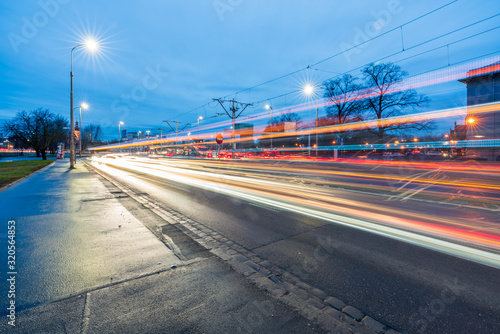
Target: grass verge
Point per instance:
(13, 170)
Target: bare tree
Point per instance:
(386, 100)
(345, 105)
(36, 129)
(92, 133)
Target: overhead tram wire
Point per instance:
(344, 51)
(409, 57)
(335, 55)
(385, 33)
(347, 50)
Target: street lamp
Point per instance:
(119, 131)
(90, 45)
(198, 134)
(309, 90)
(147, 133)
(269, 107)
(84, 106)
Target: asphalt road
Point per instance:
(413, 288)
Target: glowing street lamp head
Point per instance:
(308, 89)
(84, 105)
(91, 45)
(201, 117)
(121, 123)
(268, 106)
(470, 120)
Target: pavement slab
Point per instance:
(86, 263)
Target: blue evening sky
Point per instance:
(166, 60)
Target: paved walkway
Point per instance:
(86, 264)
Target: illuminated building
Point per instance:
(483, 86)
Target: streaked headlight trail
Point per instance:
(461, 237)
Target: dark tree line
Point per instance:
(37, 129)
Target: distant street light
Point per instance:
(198, 135)
(269, 107)
(470, 120)
(90, 45)
(147, 133)
(84, 106)
(119, 131)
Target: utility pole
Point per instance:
(233, 117)
(317, 132)
(176, 130)
(161, 136)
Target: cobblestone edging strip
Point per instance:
(330, 313)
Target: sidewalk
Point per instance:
(86, 264)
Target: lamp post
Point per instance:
(268, 106)
(309, 90)
(317, 132)
(84, 106)
(119, 131)
(198, 132)
(90, 45)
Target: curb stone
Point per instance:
(280, 283)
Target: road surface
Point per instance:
(416, 246)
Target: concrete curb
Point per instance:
(314, 304)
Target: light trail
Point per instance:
(453, 236)
(453, 73)
(406, 119)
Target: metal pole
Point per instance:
(198, 131)
(234, 134)
(271, 127)
(119, 132)
(309, 143)
(72, 120)
(81, 133)
(316, 132)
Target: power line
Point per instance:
(401, 51)
(344, 51)
(369, 40)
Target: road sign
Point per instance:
(219, 139)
